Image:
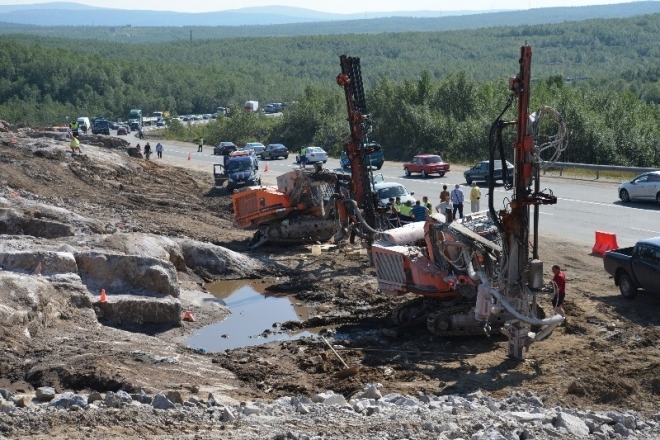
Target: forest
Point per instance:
(427, 91)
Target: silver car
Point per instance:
(643, 187)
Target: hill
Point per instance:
(154, 26)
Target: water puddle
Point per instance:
(253, 313)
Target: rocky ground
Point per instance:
(153, 235)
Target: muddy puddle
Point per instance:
(255, 317)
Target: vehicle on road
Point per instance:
(257, 147)
(101, 126)
(426, 164)
(251, 106)
(646, 186)
(314, 154)
(224, 148)
(242, 169)
(122, 130)
(160, 123)
(84, 124)
(275, 151)
(269, 108)
(386, 190)
(480, 172)
(636, 267)
(113, 125)
(376, 159)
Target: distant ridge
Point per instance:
(280, 20)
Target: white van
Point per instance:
(84, 122)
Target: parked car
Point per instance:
(479, 172)
(257, 147)
(269, 108)
(114, 125)
(225, 148)
(386, 190)
(426, 164)
(121, 130)
(636, 267)
(242, 170)
(275, 151)
(643, 187)
(314, 154)
(376, 159)
(160, 123)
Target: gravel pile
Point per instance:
(367, 415)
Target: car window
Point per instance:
(435, 159)
(641, 179)
(392, 191)
(654, 177)
(649, 255)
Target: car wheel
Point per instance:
(379, 166)
(406, 171)
(468, 181)
(626, 286)
(657, 198)
(324, 161)
(424, 174)
(442, 174)
(624, 196)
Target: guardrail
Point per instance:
(598, 168)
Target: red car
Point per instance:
(426, 164)
(122, 130)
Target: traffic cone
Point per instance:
(37, 271)
(188, 316)
(189, 157)
(266, 168)
(104, 298)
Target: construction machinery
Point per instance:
(478, 275)
(317, 204)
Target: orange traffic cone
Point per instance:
(104, 298)
(188, 316)
(189, 157)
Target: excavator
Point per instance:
(478, 275)
(310, 205)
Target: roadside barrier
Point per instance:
(605, 241)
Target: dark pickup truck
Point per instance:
(635, 267)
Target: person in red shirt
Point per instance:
(559, 285)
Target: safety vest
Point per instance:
(75, 143)
(201, 141)
(74, 126)
(404, 209)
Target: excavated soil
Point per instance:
(606, 357)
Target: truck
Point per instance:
(101, 126)
(636, 267)
(375, 159)
(160, 115)
(136, 120)
(251, 106)
(426, 164)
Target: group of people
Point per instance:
(407, 212)
(147, 150)
(451, 203)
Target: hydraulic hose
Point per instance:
(358, 214)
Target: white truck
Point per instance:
(251, 106)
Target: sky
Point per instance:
(327, 5)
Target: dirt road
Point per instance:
(606, 357)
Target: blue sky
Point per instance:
(328, 6)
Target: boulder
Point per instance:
(142, 398)
(141, 309)
(67, 400)
(174, 397)
(118, 399)
(94, 396)
(27, 261)
(6, 394)
(574, 425)
(131, 274)
(45, 394)
(218, 260)
(161, 402)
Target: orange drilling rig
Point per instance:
(477, 275)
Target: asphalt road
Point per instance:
(585, 205)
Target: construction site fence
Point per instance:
(561, 166)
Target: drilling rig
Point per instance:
(317, 205)
(478, 275)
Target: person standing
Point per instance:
(73, 126)
(200, 145)
(475, 195)
(420, 212)
(147, 150)
(457, 198)
(427, 204)
(405, 211)
(159, 150)
(303, 157)
(444, 201)
(559, 288)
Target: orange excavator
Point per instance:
(317, 205)
(477, 275)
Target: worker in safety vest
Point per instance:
(303, 157)
(405, 211)
(73, 126)
(75, 146)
